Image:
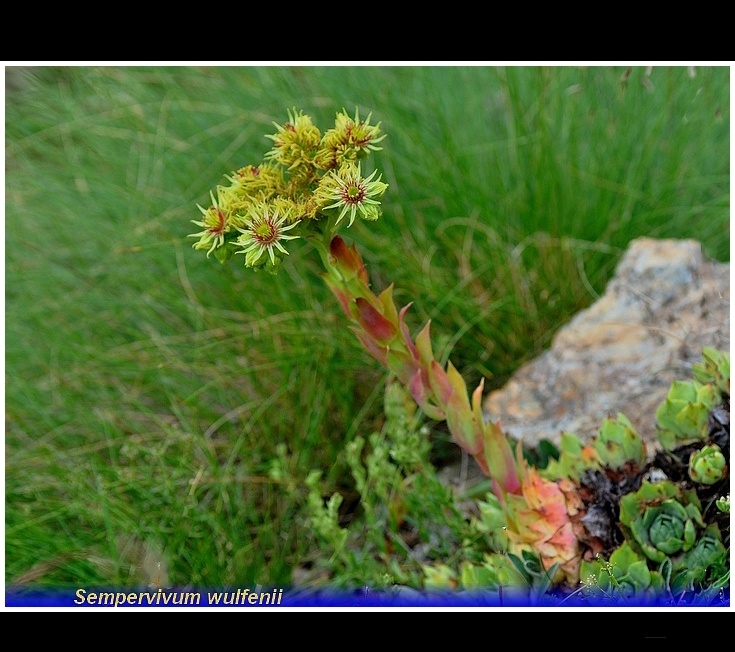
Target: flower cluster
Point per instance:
(307, 184)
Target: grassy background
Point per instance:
(162, 411)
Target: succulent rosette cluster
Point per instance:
(664, 524)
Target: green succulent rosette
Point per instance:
(575, 457)
(706, 560)
(682, 418)
(707, 465)
(661, 519)
(714, 369)
(618, 443)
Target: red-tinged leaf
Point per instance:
(464, 430)
(339, 250)
(480, 459)
(477, 402)
(375, 324)
(378, 352)
(500, 459)
(401, 364)
(565, 539)
(405, 332)
(423, 346)
(347, 260)
(417, 389)
(451, 395)
(361, 270)
(440, 384)
(460, 387)
(388, 305)
(339, 292)
(421, 396)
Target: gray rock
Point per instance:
(664, 303)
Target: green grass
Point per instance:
(148, 388)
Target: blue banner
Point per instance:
(256, 597)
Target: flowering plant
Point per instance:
(557, 519)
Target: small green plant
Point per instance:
(723, 504)
(589, 512)
(407, 516)
(625, 576)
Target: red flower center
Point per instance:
(266, 233)
(354, 194)
(219, 227)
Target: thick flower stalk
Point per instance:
(441, 393)
(538, 511)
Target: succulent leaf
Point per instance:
(618, 442)
(723, 504)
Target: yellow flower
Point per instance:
(216, 223)
(347, 189)
(296, 143)
(265, 180)
(350, 139)
(264, 230)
